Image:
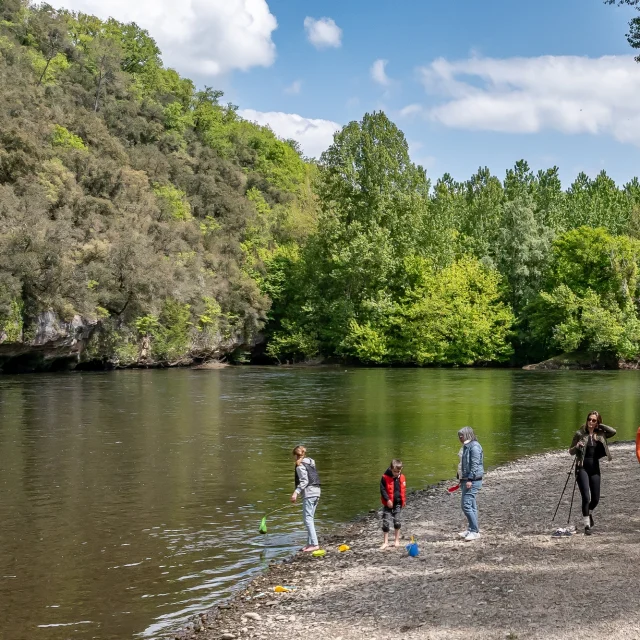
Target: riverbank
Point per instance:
(515, 582)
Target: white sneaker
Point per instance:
(472, 535)
(464, 534)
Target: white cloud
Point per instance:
(379, 73)
(314, 135)
(411, 110)
(294, 88)
(569, 94)
(323, 33)
(208, 37)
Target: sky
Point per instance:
(471, 83)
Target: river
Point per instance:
(131, 499)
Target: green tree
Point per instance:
(550, 199)
(633, 36)
(484, 197)
(588, 302)
(49, 32)
(373, 205)
(522, 249)
(449, 316)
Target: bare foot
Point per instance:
(396, 543)
(384, 545)
(310, 548)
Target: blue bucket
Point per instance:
(412, 549)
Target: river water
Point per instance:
(129, 500)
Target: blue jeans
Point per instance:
(470, 504)
(309, 506)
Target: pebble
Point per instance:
(252, 615)
(227, 636)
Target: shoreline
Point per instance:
(515, 582)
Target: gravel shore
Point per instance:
(515, 582)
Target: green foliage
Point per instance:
(177, 118)
(64, 139)
(169, 332)
(144, 190)
(48, 70)
(173, 201)
(292, 342)
(522, 249)
(589, 300)
(11, 323)
(373, 205)
(156, 209)
(210, 317)
(110, 344)
(451, 316)
(371, 284)
(633, 36)
(171, 336)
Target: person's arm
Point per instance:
(574, 449)
(607, 431)
(475, 461)
(383, 490)
(303, 476)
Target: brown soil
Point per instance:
(515, 582)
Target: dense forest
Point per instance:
(146, 212)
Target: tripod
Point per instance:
(573, 464)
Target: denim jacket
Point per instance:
(472, 461)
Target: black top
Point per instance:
(397, 495)
(593, 451)
(590, 450)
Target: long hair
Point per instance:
(299, 452)
(586, 422)
(467, 433)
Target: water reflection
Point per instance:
(132, 499)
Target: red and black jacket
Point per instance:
(394, 489)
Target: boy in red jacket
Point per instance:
(393, 490)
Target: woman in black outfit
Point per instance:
(589, 445)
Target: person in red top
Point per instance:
(393, 495)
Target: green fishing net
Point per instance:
(263, 525)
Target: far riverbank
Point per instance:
(516, 582)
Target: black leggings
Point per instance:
(588, 480)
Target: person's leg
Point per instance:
(463, 502)
(309, 509)
(386, 516)
(469, 507)
(477, 485)
(582, 478)
(594, 486)
(397, 524)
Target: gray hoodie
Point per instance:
(303, 488)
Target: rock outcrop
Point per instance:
(53, 344)
(577, 361)
(50, 344)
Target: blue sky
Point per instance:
(470, 83)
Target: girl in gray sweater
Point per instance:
(308, 486)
